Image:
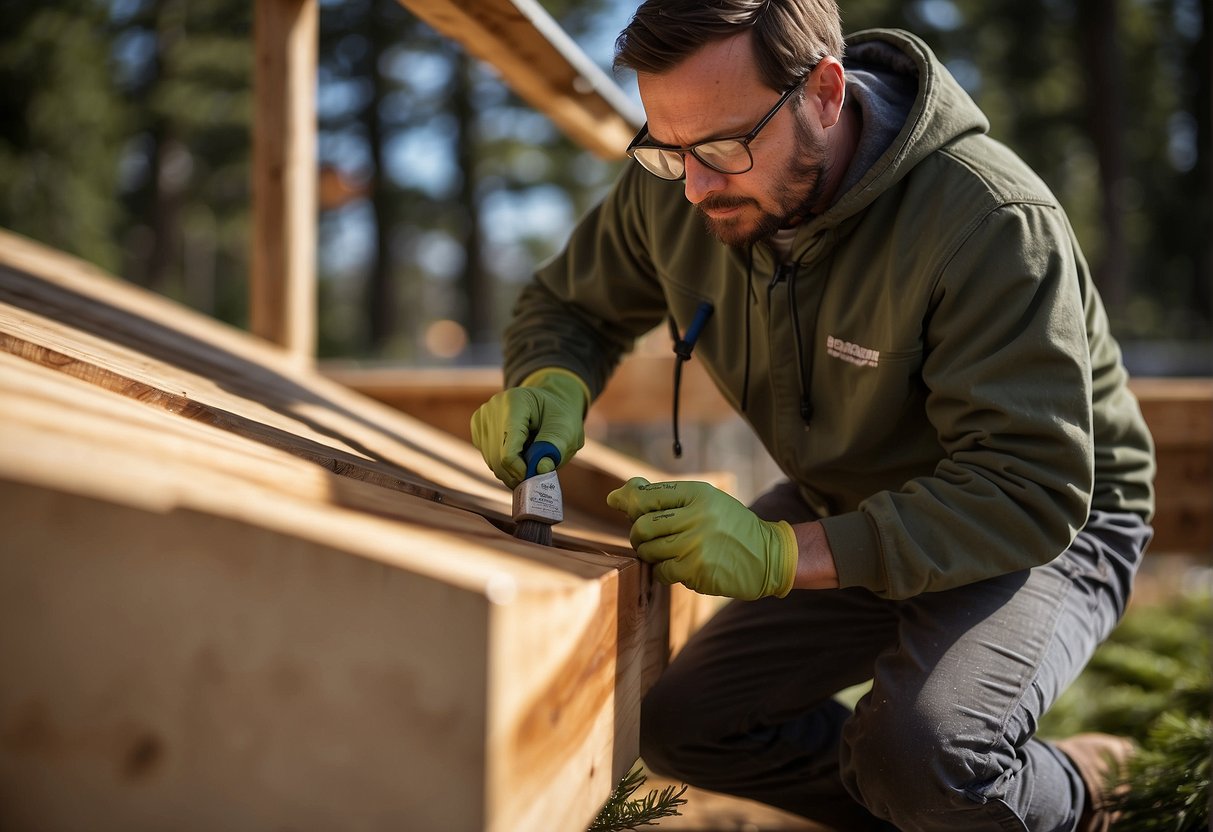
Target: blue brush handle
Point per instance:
(536, 452)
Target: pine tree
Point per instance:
(1169, 780)
(448, 158)
(186, 69)
(61, 127)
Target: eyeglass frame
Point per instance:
(744, 140)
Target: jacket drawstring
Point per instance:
(804, 368)
(683, 346)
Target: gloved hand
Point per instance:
(548, 406)
(698, 535)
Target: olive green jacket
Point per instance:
(934, 371)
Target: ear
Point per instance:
(826, 90)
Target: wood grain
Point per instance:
(282, 301)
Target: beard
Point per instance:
(794, 196)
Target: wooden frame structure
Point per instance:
(282, 286)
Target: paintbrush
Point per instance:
(538, 503)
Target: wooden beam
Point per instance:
(1179, 412)
(541, 63)
(446, 398)
(282, 303)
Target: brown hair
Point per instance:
(790, 36)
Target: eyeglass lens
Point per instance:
(728, 156)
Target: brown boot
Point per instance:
(1102, 762)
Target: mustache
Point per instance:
(717, 203)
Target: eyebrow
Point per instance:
(735, 134)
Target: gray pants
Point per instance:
(944, 740)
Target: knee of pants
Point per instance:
(662, 731)
(673, 732)
(904, 766)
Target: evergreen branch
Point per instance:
(1169, 778)
(621, 812)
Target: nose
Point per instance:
(701, 180)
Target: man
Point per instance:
(899, 308)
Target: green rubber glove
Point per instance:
(699, 536)
(549, 406)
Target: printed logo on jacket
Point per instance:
(853, 353)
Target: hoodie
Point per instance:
(930, 362)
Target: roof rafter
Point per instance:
(542, 64)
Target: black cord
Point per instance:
(683, 347)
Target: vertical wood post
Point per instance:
(282, 302)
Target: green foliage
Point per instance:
(61, 127)
(185, 69)
(453, 161)
(1169, 779)
(1152, 681)
(622, 812)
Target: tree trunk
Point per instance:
(170, 160)
(380, 295)
(475, 288)
(1097, 26)
(1202, 58)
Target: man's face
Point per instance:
(717, 92)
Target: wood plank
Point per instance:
(188, 396)
(545, 67)
(449, 396)
(83, 322)
(227, 470)
(282, 305)
(395, 451)
(1179, 412)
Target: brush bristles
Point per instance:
(534, 532)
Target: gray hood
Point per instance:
(911, 107)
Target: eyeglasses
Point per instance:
(727, 155)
